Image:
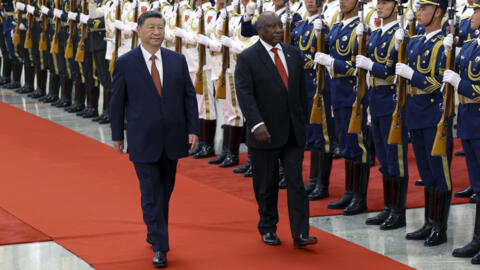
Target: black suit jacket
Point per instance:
(263, 97)
(155, 124)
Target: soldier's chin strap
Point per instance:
(433, 16)
(356, 2)
(393, 9)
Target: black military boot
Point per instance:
(66, 98)
(314, 171)
(244, 168)
(233, 147)
(220, 158)
(16, 76)
(7, 71)
(94, 102)
(79, 99)
(424, 232)
(388, 186)
(282, 184)
(249, 172)
(207, 138)
(41, 84)
(361, 175)
(438, 234)
(464, 193)
(323, 181)
(397, 219)
(105, 117)
(54, 88)
(473, 247)
(28, 87)
(347, 197)
(92, 108)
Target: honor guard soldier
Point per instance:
(9, 28)
(5, 21)
(304, 37)
(467, 84)
(22, 54)
(331, 12)
(424, 70)
(343, 47)
(382, 95)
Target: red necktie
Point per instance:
(280, 67)
(156, 75)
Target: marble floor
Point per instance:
(49, 255)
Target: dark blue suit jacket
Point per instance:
(154, 124)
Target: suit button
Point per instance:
(350, 81)
(432, 100)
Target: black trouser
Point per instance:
(7, 62)
(265, 184)
(156, 185)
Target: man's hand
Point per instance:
(192, 140)
(262, 135)
(118, 145)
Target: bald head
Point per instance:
(270, 28)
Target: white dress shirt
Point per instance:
(431, 34)
(158, 62)
(348, 21)
(312, 18)
(269, 47)
(387, 26)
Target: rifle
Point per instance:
(287, 32)
(318, 110)
(355, 125)
(412, 30)
(237, 8)
(54, 46)
(118, 35)
(222, 81)
(80, 56)
(16, 32)
(28, 35)
(260, 7)
(42, 44)
(71, 31)
(135, 19)
(178, 23)
(395, 134)
(201, 54)
(440, 144)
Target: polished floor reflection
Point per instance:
(49, 255)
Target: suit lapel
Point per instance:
(144, 69)
(267, 61)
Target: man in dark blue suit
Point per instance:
(153, 85)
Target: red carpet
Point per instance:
(240, 186)
(14, 231)
(85, 196)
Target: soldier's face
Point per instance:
(471, 2)
(347, 5)
(152, 32)
(311, 6)
(278, 3)
(384, 8)
(475, 22)
(425, 13)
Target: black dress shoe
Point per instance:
(460, 154)
(90, 113)
(420, 234)
(469, 250)
(4, 80)
(149, 239)
(50, 99)
(271, 238)
(230, 160)
(476, 259)
(474, 198)
(205, 152)
(249, 172)
(64, 103)
(283, 183)
(464, 193)
(105, 119)
(337, 153)
(219, 159)
(419, 182)
(160, 259)
(242, 169)
(436, 237)
(379, 218)
(304, 240)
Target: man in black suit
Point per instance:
(154, 86)
(270, 84)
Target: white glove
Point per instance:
(451, 77)
(284, 19)
(223, 14)
(20, 6)
(155, 5)
(168, 35)
(249, 11)
(132, 26)
(236, 47)
(214, 45)
(116, 3)
(179, 32)
(478, 41)
(198, 13)
(84, 18)
(404, 71)
(448, 43)
(226, 41)
(324, 59)
(30, 9)
(235, 2)
(202, 39)
(22, 27)
(410, 16)
(317, 25)
(119, 25)
(72, 16)
(360, 29)
(190, 38)
(44, 10)
(399, 35)
(364, 62)
(57, 13)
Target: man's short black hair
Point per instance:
(149, 14)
